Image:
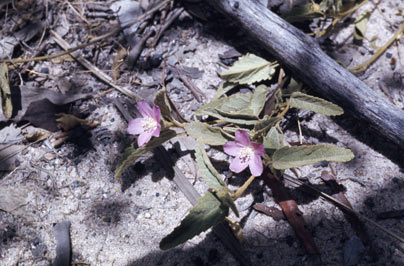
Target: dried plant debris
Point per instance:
(5, 92)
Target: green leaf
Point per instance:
(5, 92)
(205, 133)
(249, 69)
(289, 157)
(307, 102)
(292, 87)
(258, 99)
(229, 106)
(266, 123)
(274, 139)
(237, 106)
(209, 174)
(223, 89)
(131, 154)
(160, 99)
(227, 200)
(361, 24)
(304, 12)
(207, 212)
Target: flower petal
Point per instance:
(135, 126)
(156, 113)
(258, 148)
(156, 132)
(144, 109)
(237, 165)
(232, 148)
(242, 138)
(255, 165)
(143, 138)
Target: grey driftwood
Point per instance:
(303, 56)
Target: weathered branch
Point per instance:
(303, 56)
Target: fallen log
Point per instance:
(303, 56)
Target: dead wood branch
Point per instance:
(303, 56)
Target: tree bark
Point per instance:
(303, 56)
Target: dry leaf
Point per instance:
(67, 122)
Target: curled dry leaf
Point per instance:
(67, 122)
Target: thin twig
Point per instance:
(362, 67)
(195, 91)
(95, 70)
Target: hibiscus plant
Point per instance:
(245, 126)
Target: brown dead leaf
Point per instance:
(67, 122)
(273, 212)
(291, 211)
(118, 61)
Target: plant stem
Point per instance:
(241, 189)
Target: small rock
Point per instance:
(147, 215)
(75, 184)
(49, 156)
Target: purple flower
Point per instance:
(148, 125)
(247, 154)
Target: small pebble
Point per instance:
(147, 215)
(75, 183)
(389, 55)
(45, 70)
(49, 156)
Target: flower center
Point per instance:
(245, 154)
(149, 124)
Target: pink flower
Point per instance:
(247, 154)
(148, 125)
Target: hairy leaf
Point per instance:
(307, 102)
(131, 154)
(289, 157)
(160, 99)
(249, 69)
(5, 93)
(237, 106)
(207, 212)
(226, 107)
(258, 99)
(223, 89)
(205, 133)
(209, 174)
(266, 123)
(274, 139)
